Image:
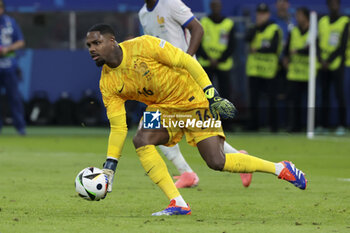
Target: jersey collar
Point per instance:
(152, 7)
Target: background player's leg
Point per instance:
(144, 142)
(14, 98)
(229, 149)
(175, 156)
(187, 177)
(245, 177)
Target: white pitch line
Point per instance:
(344, 179)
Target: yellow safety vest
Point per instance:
(330, 37)
(215, 41)
(347, 56)
(298, 69)
(264, 65)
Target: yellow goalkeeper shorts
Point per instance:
(196, 124)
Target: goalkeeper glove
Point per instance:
(109, 168)
(218, 105)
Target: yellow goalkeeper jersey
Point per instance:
(153, 72)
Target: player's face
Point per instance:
(99, 46)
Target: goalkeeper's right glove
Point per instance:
(109, 168)
(219, 105)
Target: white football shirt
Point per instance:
(168, 20)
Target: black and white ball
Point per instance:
(91, 184)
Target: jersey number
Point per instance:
(145, 92)
(206, 116)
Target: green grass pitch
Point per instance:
(37, 191)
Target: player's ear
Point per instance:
(113, 40)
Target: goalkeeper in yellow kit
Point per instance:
(174, 86)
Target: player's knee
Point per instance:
(139, 140)
(216, 164)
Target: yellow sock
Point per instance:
(156, 169)
(238, 162)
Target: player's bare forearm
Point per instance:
(197, 32)
(15, 46)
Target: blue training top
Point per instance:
(9, 34)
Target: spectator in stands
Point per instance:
(216, 50)
(296, 60)
(333, 32)
(11, 39)
(262, 64)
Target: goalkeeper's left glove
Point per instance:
(109, 168)
(219, 105)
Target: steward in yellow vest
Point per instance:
(215, 53)
(333, 32)
(296, 60)
(265, 47)
(217, 42)
(347, 54)
(265, 44)
(332, 43)
(296, 52)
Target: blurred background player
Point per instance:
(174, 22)
(11, 39)
(216, 51)
(262, 64)
(296, 60)
(333, 32)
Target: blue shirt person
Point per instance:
(11, 39)
(284, 19)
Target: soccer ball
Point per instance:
(91, 184)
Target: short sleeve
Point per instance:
(180, 12)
